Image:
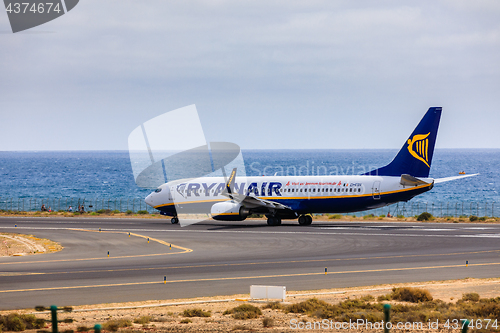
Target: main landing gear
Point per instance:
(305, 220)
(271, 220)
(174, 220)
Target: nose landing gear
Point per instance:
(305, 219)
(174, 220)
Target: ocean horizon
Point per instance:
(107, 175)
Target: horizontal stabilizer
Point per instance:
(447, 179)
(407, 180)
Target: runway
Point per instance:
(224, 258)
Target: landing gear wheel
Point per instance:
(305, 219)
(174, 220)
(273, 221)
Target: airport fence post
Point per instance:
(462, 209)
(53, 312)
(133, 205)
(120, 205)
(30, 204)
(97, 328)
(492, 209)
(456, 209)
(485, 209)
(108, 203)
(387, 317)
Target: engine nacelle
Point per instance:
(229, 211)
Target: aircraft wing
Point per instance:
(254, 201)
(447, 179)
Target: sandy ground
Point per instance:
(19, 245)
(168, 313)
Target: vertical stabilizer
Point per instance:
(416, 155)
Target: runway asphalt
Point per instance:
(224, 258)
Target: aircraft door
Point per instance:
(376, 190)
(170, 193)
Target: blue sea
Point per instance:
(105, 177)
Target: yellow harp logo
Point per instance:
(418, 147)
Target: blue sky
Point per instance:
(263, 74)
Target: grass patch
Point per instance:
(114, 325)
(186, 321)
(84, 329)
(334, 216)
(244, 311)
(196, 313)
(142, 212)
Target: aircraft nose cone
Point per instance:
(149, 200)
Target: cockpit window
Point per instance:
(158, 190)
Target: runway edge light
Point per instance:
(466, 263)
(326, 270)
(164, 280)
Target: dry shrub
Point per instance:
(309, 306)
(196, 313)
(240, 328)
(273, 306)
(114, 325)
(16, 322)
(244, 311)
(470, 297)
(186, 321)
(413, 295)
(83, 329)
(143, 320)
(268, 322)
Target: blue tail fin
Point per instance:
(416, 155)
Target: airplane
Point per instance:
(298, 197)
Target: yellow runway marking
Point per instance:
(245, 277)
(184, 250)
(239, 264)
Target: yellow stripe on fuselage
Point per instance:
(303, 198)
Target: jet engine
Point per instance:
(229, 211)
